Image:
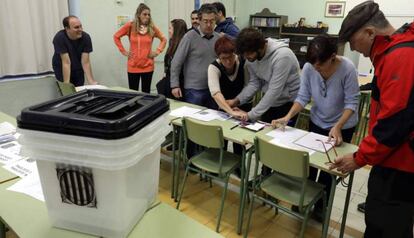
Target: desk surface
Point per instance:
(27, 217)
(4, 174)
(245, 136)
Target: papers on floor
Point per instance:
(29, 185)
(315, 142)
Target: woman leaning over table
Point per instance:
(227, 76)
(332, 83)
(141, 32)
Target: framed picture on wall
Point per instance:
(334, 9)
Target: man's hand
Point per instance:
(176, 92)
(344, 164)
(336, 135)
(281, 122)
(238, 114)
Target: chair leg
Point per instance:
(180, 195)
(249, 217)
(305, 222)
(223, 199)
(2, 230)
(211, 183)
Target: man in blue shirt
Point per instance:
(224, 25)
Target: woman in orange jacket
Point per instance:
(141, 32)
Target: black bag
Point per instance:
(164, 87)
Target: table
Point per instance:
(318, 160)
(4, 174)
(27, 217)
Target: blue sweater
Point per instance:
(228, 27)
(332, 96)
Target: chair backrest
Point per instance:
(66, 88)
(284, 160)
(210, 136)
(20, 93)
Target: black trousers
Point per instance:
(389, 208)
(134, 78)
(324, 177)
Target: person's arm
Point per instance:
(177, 64)
(251, 88)
(123, 31)
(65, 67)
(86, 66)
(281, 70)
(351, 100)
(163, 41)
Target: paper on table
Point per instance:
(6, 128)
(10, 152)
(209, 115)
(290, 134)
(310, 141)
(184, 111)
(96, 86)
(22, 168)
(291, 145)
(255, 126)
(29, 185)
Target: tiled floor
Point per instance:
(201, 203)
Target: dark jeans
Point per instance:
(324, 177)
(134, 78)
(389, 208)
(201, 97)
(272, 114)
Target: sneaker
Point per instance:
(361, 207)
(294, 208)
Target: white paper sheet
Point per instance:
(290, 145)
(310, 141)
(10, 152)
(96, 86)
(255, 126)
(7, 132)
(29, 185)
(184, 111)
(290, 134)
(209, 115)
(22, 168)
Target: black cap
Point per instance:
(357, 18)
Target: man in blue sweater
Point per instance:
(225, 25)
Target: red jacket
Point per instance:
(390, 140)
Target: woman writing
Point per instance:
(141, 32)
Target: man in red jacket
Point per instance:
(389, 146)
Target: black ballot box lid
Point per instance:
(103, 114)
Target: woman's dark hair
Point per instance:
(224, 45)
(180, 28)
(249, 40)
(321, 48)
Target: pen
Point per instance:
(234, 127)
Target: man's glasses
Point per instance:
(326, 151)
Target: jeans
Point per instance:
(201, 97)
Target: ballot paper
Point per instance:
(209, 115)
(289, 134)
(7, 132)
(29, 185)
(95, 86)
(313, 141)
(254, 126)
(290, 145)
(22, 168)
(184, 111)
(10, 152)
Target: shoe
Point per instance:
(361, 207)
(237, 172)
(294, 208)
(317, 215)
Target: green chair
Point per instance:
(214, 161)
(289, 184)
(363, 116)
(66, 88)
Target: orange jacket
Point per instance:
(139, 48)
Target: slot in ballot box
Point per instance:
(98, 154)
